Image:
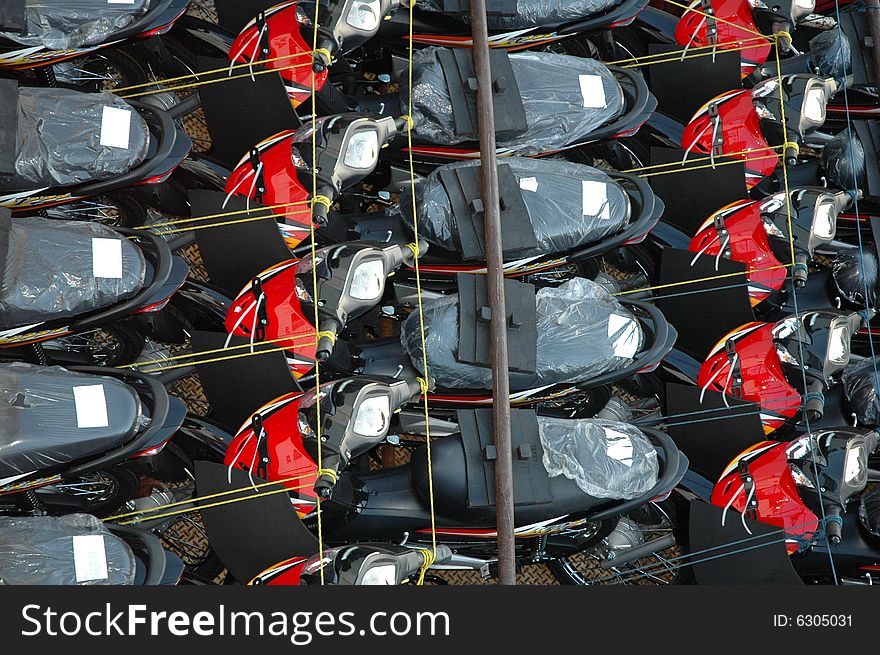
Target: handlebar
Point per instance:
(326, 341)
(833, 523)
(412, 562)
(320, 210)
(791, 156)
(800, 270)
(814, 407)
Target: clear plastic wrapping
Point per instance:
(50, 416)
(582, 332)
(843, 160)
(565, 99)
(569, 205)
(831, 54)
(69, 550)
(855, 273)
(861, 381)
(58, 269)
(532, 13)
(60, 136)
(606, 459)
(66, 24)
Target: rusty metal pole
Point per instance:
(495, 283)
(873, 18)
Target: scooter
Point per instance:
(52, 38)
(46, 550)
(84, 291)
(356, 413)
(60, 145)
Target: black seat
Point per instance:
(569, 206)
(565, 98)
(48, 269)
(532, 13)
(61, 137)
(50, 416)
(582, 332)
(65, 24)
(47, 550)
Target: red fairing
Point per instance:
(289, 462)
(283, 192)
(779, 503)
(288, 51)
(748, 244)
(284, 573)
(742, 134)
(736, 29)
(288, 325)
(763, 381)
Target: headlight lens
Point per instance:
(364, 16)
(824, 220)
(854, 467)
(368, 281)
(814, 105)
(373, 416)
(838, 344)
(384, 574)
(362, 151)
(805, 4)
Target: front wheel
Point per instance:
(111, 345)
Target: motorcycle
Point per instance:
(61, 146)
(46, 550)
(75, 291)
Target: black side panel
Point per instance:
(493, 7)
(710, 433)
(222, 247)
(691, 196)
(251, 534)
(868, 133)
(235, 14)
(8, 125)
(463, 186)
(682, 87)
(531, 484)
(5, 218)
(238, 387)
(702, 306)
(732, 556)
(474, 316)
(241, 111)
(12, 17)
(458, 70)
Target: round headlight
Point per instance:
(373, 416)
(368, 281)
(362, 151)
(364, 16)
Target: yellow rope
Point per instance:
(194, 85)
(315, 287)
(428, 557)
(328, 334)
(659, 55)
(673, 57)
(695, 159)
(237, 221)
(719, 20)
(161, 369)
(412, 178)
(702, 279)
(300, 203)
(225, 69)
(787, 144)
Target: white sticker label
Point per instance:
(618, 446)
(528, 183)
(595, 199)
(107, 258)
(120, 2)
(89, 557)
(115, 127)
(625, 332)
(91, 406)
(593, 91)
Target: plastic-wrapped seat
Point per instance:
(58, 269)
(51, 416)
(568, 205)
(861, 381)
(60, 134)
(48, 550)
(565, 98)
(65, 24)
(532, 13)
(582, 332)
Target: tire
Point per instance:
(112, 345)
(114, 210)
(121, 485)
(102, 70)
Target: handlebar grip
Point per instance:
(800, 270)
(324, 486)
(320, 212)
(791, 156)
(814, 407)
(444, 554)
(326, 340)
(833, 524)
